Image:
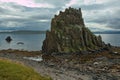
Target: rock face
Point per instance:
(69, 34)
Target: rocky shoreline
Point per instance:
(43, 68)
(71, 52)
(104, 66)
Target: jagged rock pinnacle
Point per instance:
(69, 34)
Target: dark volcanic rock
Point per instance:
(8, 39)
(69, 34)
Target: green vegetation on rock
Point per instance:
(69, 34)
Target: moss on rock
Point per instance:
(69, 34)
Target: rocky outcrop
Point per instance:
(8, 39)
(69, 34)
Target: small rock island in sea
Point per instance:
(69, 34)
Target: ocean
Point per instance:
(30, 41)
(33, 41)
(113, 39)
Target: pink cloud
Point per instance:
(29, 3)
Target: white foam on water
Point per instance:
(38, 58)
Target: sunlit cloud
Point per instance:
(43, 20)
(89, 1)
(29, 3)
(72, 2)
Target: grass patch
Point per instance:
(15, 71)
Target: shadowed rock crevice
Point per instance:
(69, 34)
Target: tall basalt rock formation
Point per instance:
(69, 34)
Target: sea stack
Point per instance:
(8, 39)
(69, 34)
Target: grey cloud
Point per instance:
(114, 23)
(110, 19)
(106, 14)
(2, 10)
(30, 17)
(57, 3)
(35, 26)
(111, 3)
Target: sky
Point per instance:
(99, 15)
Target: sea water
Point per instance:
(34, 41)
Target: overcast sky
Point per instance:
(37, 14)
